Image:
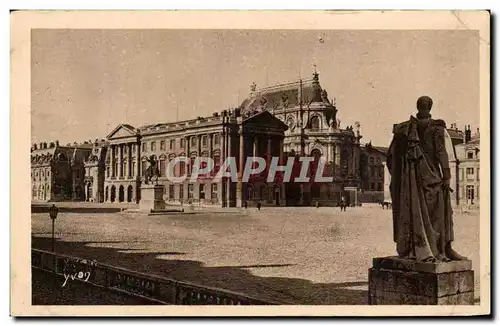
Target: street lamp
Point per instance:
(53, 215)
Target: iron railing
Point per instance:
(144, 286)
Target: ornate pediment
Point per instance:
(265, 119)
(122, 131)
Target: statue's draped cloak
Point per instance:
(418, 163)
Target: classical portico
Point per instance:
(123, 165)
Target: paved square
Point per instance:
(292, 255)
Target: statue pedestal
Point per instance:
(397, 281)
(152, 198)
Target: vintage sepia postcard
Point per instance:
(250, 163)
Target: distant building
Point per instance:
(94, 165)
(372, 167)
(57, 172)
(315, 131)
(468, 156)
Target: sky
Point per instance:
(87, 82)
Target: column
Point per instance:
(387, 183)
(229, 143)
(239, 188)
(269, 151)
(188, 165)
(120, 160)
(282, 186)
(138, 161)
(86, 192)
(222, 188)
(255, 145)
(210, 145)
(113, 172)
(129, 167)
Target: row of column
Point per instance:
(120, 171)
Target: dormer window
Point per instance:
(314, 123)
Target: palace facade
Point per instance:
(288, 120)
(228, 134)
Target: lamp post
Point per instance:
(53, 215)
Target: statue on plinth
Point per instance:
(152, 170)
(420, 188)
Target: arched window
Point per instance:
(314, 123)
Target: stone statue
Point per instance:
(152, 170)
(253, 87)
(420, 192)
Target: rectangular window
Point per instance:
(470, 173)
(216, 164)
(181, 192)
(107, 171)
(182, 142)
(193, 141)
(204, 141)
(153, 146)
(182, 168)
(202, 191)
(162, 145)
(191, 165)
(171, 191)
(125, 149)
(470, 194)
(132, 173)
(162, 168)
(214, 191)
(470, 155)
(143, 147)
(216, 139)
(143, 168)
(477, 176)
(190, 190)
(172, 144)
(133, 148)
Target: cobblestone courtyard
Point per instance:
(291, 255)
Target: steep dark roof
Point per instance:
(274, 96)
(454, 133)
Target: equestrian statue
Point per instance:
(151, 171)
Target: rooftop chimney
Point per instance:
(467, 134)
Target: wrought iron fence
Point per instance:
(152, 288)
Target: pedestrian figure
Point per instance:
(258, 206)
(245, 204)
(343, 204)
